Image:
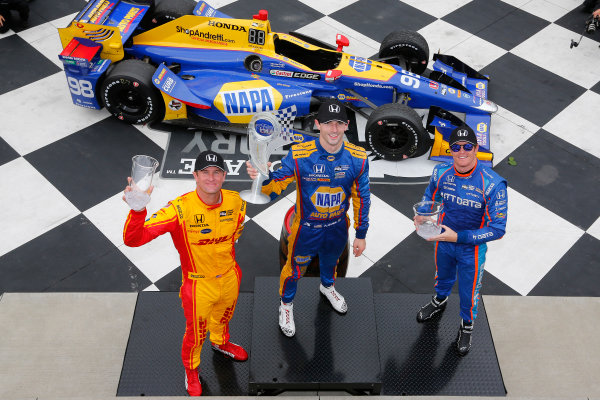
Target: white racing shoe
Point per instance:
(286, 319)
(337, 300)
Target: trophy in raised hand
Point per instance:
(267, 131)
(142, 172)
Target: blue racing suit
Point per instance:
(475, 207)
(324, 185)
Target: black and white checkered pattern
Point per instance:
(286, 117)
(63, 168)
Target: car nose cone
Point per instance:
(488, 106)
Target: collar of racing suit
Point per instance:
(468, 173)
(326, 154)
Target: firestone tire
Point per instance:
(313, 268)
(408, 45)
(395, 130)
(127, 93)
(168, 10)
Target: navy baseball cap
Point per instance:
(463, 133)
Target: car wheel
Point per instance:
(410, 48)
(128, 93)
(313, 268)
(395, 130)
(168, 10)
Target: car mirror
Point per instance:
(333, 75)
(342, 41)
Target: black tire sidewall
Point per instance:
(406, 43)
(132, 75)
(416, 136)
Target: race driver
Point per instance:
(204, 225)
(475, 206)
(328, 172)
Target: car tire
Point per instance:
(168, 10)
(409, 46)
(394, 130)
(313, 267)
(127, 93)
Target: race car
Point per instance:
(186, 63)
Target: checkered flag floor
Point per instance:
(63, 168)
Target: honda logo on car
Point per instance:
(232, 27)
(247, 101)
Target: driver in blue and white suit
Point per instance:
(328, 173)
(475, 206)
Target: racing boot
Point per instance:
(435, 306)
(192, 382)
(231, 350)
(286, 318)
(463, 340)
(335, 298)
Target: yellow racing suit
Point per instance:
(204, 236)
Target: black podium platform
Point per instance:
(329, 351)
(421, 359)
(152, 365)
(377, 347)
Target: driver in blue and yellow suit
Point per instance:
(328, 172)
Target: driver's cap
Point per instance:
(332, 110)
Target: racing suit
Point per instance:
(324, 184)
(204, 235)
(475, 207)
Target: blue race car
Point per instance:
(186, 63)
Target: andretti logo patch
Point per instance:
(360, 64)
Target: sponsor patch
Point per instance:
(302, 259)
(360, 64)
(247, 101)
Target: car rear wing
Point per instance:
(468, 78)
(107, 22)
(441, 123)
(451, 71)
(203, 9)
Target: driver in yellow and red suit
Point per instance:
(204, 225)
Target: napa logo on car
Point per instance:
(360, 64)
(328, 199)
(239, 101)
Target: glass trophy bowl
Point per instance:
(142, 172)
(427, 219)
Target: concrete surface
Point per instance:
(547, 346)
(56, 346)
(63, 345)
